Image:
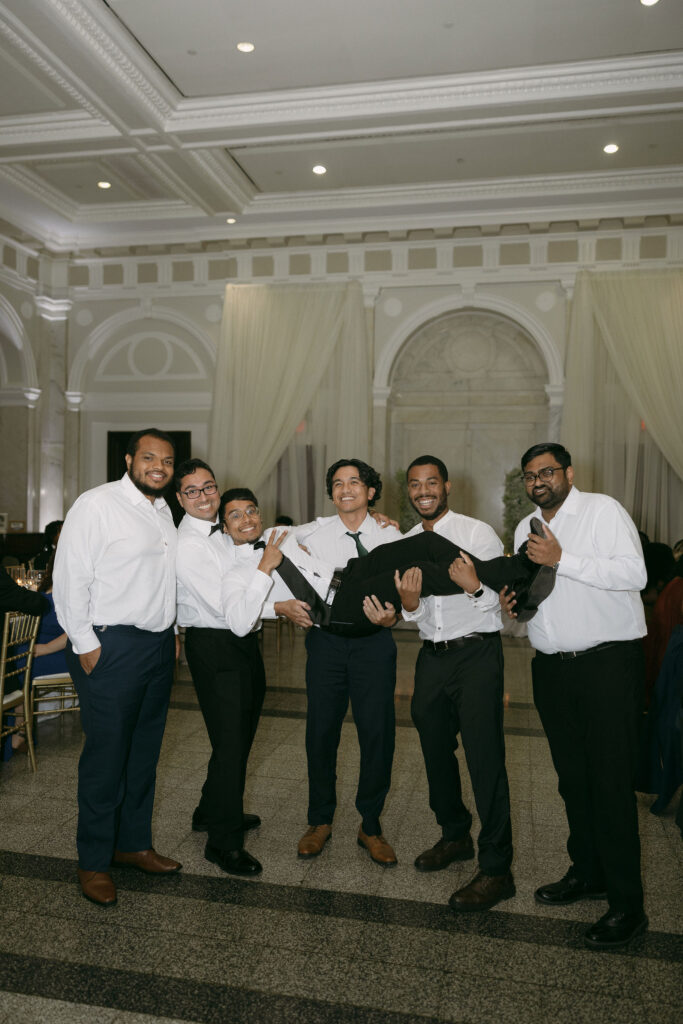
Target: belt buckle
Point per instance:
(440, 646)
(567, 655)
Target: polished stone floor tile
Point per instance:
(336, 939)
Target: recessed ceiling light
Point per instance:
(649, 3)
(319, 169)
(230, 220)
(246, 47)
(104, 184)
(611, 147)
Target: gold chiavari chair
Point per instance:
(16, 657)
(58, 690)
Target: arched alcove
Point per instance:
(470, 387)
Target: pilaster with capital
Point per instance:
(51, 349)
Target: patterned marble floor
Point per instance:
(336, 939)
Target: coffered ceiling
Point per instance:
(426, 113)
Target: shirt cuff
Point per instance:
(416, 615)
(85, 642)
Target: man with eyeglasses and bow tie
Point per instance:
(226, 666)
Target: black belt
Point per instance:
(439, 646)
(569, 655)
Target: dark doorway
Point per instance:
(117, 442)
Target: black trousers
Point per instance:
(590, 708)
(123, 705)
(362, 670)
(374, 574)
(230, 681)
(461, 691)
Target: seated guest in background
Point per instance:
(14, 598)
(52, 531)
(48, 651)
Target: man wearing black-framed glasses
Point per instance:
(588, 683)
(227, 669)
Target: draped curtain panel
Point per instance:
(624, 385)
(293, 366)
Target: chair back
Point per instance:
(16, 657)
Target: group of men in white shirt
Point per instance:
(115, 596)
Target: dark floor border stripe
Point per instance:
(498, 924)
(177, 998)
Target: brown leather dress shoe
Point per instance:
(97, 887)
(378, 848)
(148, 861)
(313, 840)
(444, 853)
(483, 892)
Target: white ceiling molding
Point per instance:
(583, 80)
(38, 129)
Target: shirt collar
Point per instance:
(135, 495)
(202, 526)
(570, 505)
(364, 527)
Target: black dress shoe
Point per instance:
(616, 928)
(568, 890)
(250, 821)
(234, 862)
(444, 853)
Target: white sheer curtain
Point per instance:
(292, 376)
(624, 392)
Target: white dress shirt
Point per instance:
(330, 543)
(249, 595)
(202, 561)
(457, 615)
(115, 564)
(596, 597)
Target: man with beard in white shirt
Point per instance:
(459, 689)
(114, 594)
(226, 665)
(588, 678)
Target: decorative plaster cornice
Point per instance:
(559, 82)
(23, 178)
(30, 47)
(450, 192)
(38, 129)
(231, 181)
(103, 36)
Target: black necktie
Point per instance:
(293, 578)
(359, 547)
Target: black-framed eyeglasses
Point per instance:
(545, 474)
(194, 492)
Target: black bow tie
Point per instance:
(258, 544)
(216, 526)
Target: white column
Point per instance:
(51, 351)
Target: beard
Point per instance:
(150, 490)
(439, 510)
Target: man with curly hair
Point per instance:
(340, 668)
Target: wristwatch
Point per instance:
(477, 593)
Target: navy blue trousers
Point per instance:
(123, 702)
(362, 670)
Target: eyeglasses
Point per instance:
(194, 492)
(543, 474)
(236, 515)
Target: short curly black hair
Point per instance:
(369, 476)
